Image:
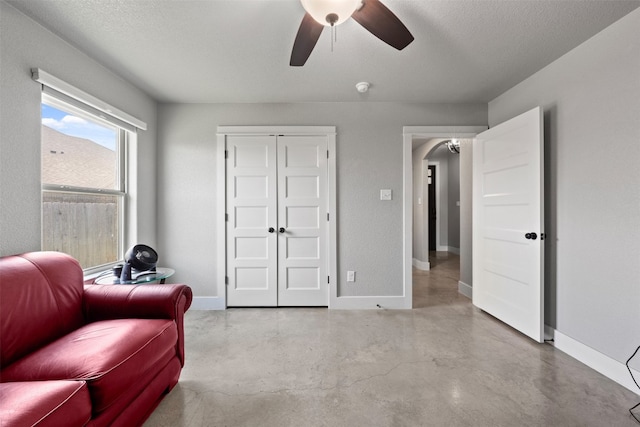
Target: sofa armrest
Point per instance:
(171, 301)
(103, 302)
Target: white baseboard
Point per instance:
(208, 303)
(465, 289)
(370, 303)
(340, 303)
(602, 363)
(421, 265)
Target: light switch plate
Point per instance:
(385, 194)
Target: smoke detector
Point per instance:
(362, 87)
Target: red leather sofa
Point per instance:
(75, 354)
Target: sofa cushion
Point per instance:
(41, 301)
(111, 355)
(44, 403)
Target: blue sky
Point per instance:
(76, 126)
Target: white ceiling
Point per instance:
(210, 51)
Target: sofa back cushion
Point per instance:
(40, 301)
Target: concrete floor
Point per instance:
(444, 363)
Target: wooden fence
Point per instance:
(83, 226)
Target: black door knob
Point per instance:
(531, 236)
(281, 229)
(271, 229)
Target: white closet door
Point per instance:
(252, 220)
(277, 228)
(302, 221)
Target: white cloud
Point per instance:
(52, 123)
(73, 120)
(81, 128)
(64, 123)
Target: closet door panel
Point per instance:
(252, 211)
(302, 216)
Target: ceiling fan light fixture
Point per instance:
(330, 12)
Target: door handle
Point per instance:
(281, 229)
(531, 236)
(271, 229)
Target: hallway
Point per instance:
(439, 285)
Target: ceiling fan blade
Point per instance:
(306, 39)
(382, 23)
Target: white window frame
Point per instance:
(122, 142)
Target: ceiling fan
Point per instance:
(371, 14)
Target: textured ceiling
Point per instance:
(209, 51)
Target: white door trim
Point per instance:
(221, 258)
(408, 135)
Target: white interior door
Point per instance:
(252, 220)
(508, 223)
(277, 224)
(302, 221)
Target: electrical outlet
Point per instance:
(351, 276)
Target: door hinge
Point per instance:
(226, 280)
(542, 236)
(226, 217)
(328, 279)
(327, 216)
(226, 154)
(327, 154)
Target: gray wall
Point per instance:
(466, 211)
(420, 238)
(453, 233)
(591, 102)
(369, 158)
(440, 158)
(25, 45)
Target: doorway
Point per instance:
(413, 135)
(431, 206)
(436, 195)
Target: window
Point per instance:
(83, 183)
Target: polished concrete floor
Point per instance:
(444, 363)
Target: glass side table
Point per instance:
(160, 275)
